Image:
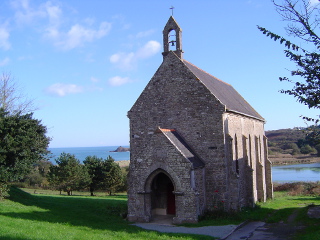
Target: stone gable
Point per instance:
(196, 144)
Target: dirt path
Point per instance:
(267, 231)
(245, 231)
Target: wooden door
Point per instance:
(171, 201)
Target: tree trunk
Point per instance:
(91, 191)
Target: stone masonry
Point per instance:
(196, 144)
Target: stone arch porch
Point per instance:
(160, 200)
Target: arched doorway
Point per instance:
(162, 196)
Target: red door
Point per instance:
(171, 201)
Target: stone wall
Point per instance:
(249, 166)
(232, 147)
(160, 156)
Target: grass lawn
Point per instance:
(26, 215)
(38, 216)
(274, 211)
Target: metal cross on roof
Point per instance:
(172, 7)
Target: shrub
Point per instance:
(306, 149)
(3, 190)
(317, 147)
(299, 188)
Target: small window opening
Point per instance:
(172, 40)
(237, 166)
(236, 154)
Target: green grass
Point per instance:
(42, 216)
(39, 216)
(273, 211)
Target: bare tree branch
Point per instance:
(303, 18)
(12, 99)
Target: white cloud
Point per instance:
(95, 80)
(121, 20)
(89, 57)
(25, 14)
(54, 14)
(78, 35)
(4, 38)
(61, 89)
(50, 15)
(124, 61)
(26, 57)
(314, 2)
(118, 81)
(144, 34)
(148, 50)
(128, 61)
(4, 62)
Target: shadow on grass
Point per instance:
(14, 238)
(306, 198)
(274, 211)
(79, 211)
(92, 212)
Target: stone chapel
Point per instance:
(195, 143)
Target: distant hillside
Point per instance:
(282, 137)
(286, 143)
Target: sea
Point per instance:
(286, 173)
(82, 152)
(296, 173)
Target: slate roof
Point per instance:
(182, 147)
(224, 92)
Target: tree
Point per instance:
(23, 142)
(293, 147)
(105, 174)
(306, 149)
(37, 176)
(123, 187)
(317, 147)
(96, 171)
(304, 19)
(68, 175)
(114, 176)
(12, 100)
(313, 136)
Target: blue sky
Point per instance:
(86, 62)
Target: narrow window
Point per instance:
(172, 40)
(236, 154)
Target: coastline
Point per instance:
(284, 160)
(287, 159)
(123, 163)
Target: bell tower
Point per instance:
(172, 38)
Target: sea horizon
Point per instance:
(288, 173)
(82, 152)
(116, 146)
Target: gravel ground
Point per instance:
(213, 231)
(244, 231)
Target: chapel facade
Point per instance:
(195, 143)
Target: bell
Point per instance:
(172, 43)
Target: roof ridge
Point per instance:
(224, 92)
(167, 130)
(205, 72)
